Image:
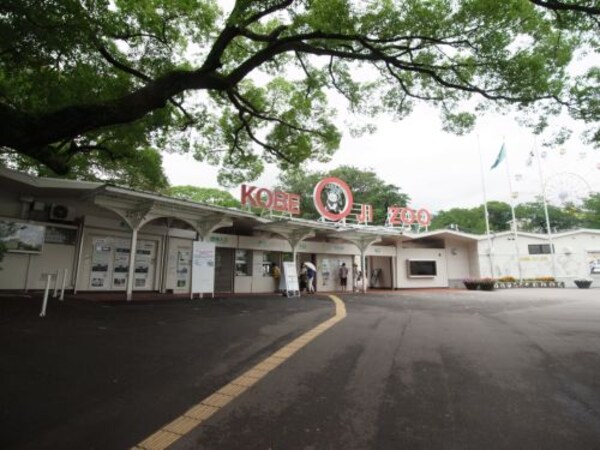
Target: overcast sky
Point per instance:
(439, 170)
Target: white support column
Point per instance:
(363, 244)
(363, 263)
(294, 238)
(131, 272)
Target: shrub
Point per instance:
(546, 279)
(583, 283)
(487, 284)
(507, 279)
(483, 284)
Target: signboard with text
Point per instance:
(203, 268)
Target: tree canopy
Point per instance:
(366, 186)
(86, 86)
(530, 216)
(210, 196)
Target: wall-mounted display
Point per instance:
(421, 268)
(22, 237)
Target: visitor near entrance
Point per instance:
(343, 276)
(310, 282)
(303, 278)
(276, 273)
(356, 277)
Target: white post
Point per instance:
(485, 208)
(514, 218)
(548, 229)
(46, 293)
(64, 283)
(131, 271)
(55, 291)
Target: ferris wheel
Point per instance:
(566, 188)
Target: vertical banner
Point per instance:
(290, 278)
(203, 268)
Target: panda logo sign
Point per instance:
(333, 199)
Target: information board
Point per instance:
(203, 268)
(291, 286)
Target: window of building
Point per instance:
(243, 262)
(270, 258)
(540, 249)
(421, 268)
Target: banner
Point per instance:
(203, 268)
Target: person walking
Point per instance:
(343, 276)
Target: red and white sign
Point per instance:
(333, 199)
(274, 200)
(398, 215)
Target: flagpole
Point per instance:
(485, 208)
(512, 210)
(543, 185)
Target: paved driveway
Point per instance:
(423, 369)
(463, 370)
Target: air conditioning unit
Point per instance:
(62, 213)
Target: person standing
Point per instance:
(355, 277)
(310, 275)
(303, 278)
(276, 273)
(344, 276)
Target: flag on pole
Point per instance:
(500, 157)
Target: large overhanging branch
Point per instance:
(562, 6)
(32, 134)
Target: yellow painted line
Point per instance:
(195, 416)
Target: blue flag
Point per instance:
(500, 157)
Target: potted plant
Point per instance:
(583, 283)
(470, 284)
(487, 284)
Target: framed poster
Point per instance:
(101, 253)
(59, 235)
(203, 267)
(20, 237)
(184, 261)
(143, 264)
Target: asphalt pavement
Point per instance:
(416, 370)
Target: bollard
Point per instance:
(64, 282)
(55, 292)
(46, 293)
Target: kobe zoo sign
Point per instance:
(333, 200)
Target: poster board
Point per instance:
(203, 268)
(291, 286)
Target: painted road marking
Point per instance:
(194, 416)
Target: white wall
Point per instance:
(435, 254)
(573, 252)
(458, 262)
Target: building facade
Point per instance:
(89, 231)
